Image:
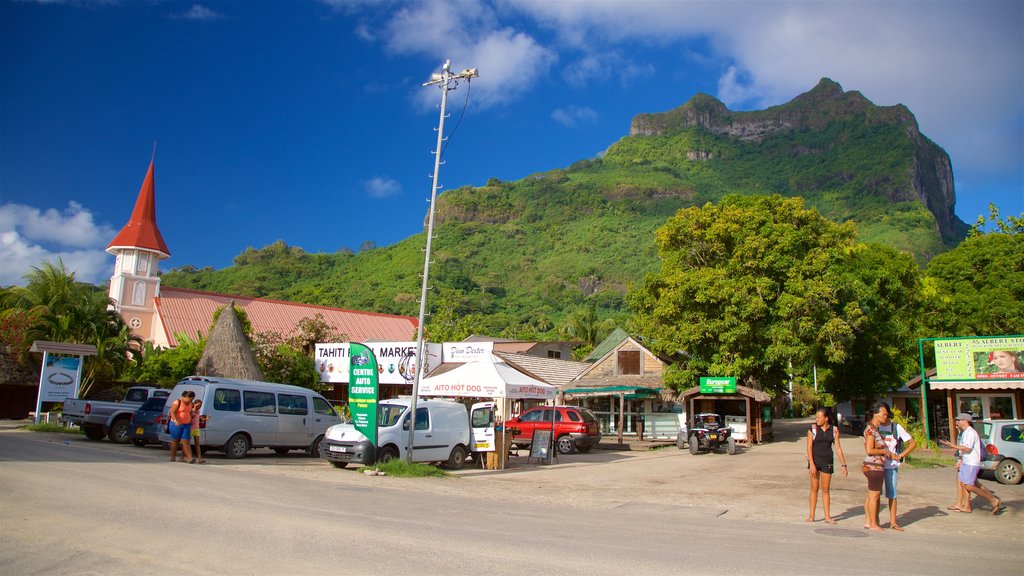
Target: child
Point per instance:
(197, 422)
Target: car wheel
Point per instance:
(237, 446)
(1008, 472)
(694, 445)
(731, 448)
(387, 454)
(583, 449)
(339, 464)
(138, 442)
(119, 431)
(565, 444)
(680, 441)
(94, 432)
(314, 450)
(457, 458)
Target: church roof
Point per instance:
(191, 311)
(141, 230)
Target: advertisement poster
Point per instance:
(467, 351)
(362, 390)
(396, 361)
(717, 384)
(980, 358)
(59, 379)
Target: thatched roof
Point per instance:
(227, 353)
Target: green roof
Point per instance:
(606, 345)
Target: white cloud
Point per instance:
(199, 13)
(571, 115)
(382, 187)
(30, 236)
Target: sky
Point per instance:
(307, 121)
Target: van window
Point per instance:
(320, 406)
(259, 402)
(422, 420)
(227, 400)
(292, 404)
(388, 414)
(482, 418)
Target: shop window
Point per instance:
(629, 362)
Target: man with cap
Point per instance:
(969, 444)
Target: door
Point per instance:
(260, 416)
(293, 421)
(324, 416)
(481, 428)
(425, 446)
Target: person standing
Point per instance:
(969, 445)
(197, 419)
(820, 439)
(180, 415)
(901, 443)
(874, 465)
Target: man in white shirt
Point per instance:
(894, 436)
(969, 445)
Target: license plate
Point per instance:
(139, 430)
(714, 436)
(337, 449)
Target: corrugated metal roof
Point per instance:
(191, 312)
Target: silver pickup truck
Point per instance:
(101, 419)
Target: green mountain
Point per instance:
(515, 258)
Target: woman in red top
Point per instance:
(874, 463)
(181, 419)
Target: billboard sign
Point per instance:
(717, 384)
(396, 361)
(979, 358)
(59, 380)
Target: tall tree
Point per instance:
(764, 288)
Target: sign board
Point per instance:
(466, 351)
(362, 391)
(59, 379)
(396, 361)
(979, 358)
(717, 384)
(540, 446)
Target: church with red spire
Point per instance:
(162, 314)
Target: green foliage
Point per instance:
(977, 289)
(166, 366)
(926, 449)
(763, 288)
(401, 469)
(51, 428)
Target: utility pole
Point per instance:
(446, 81)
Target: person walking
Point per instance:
(180, 415)
(899, 442)
(874, 465)
(197, 420)
(969, 445)
(822, 436)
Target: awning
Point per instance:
(636, 390)
(975, 384)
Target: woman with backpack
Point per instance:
(822, 436)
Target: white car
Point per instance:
(1004, 448)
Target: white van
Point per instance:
(442, 434)
(244, 414)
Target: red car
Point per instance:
(575, 428)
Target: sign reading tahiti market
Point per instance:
(717, 384)
(362, 390)
(395, 361)
(979, 358)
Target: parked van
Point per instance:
(245, 414)
(442, 434)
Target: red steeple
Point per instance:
(141, 230)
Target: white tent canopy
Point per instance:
(491, 378)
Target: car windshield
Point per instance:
(709, 420)
(154, 404)
(588, 416)
(388, 414)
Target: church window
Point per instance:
(143, 264)
(139, 293)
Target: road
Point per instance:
(71, 506)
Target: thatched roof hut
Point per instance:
(227, 352)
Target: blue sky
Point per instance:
(307, 121)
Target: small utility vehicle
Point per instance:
(709, 433)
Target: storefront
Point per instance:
(746, 410)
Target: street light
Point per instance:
(445, 80)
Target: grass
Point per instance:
(927, 460)
(402, 469)
(47, 427)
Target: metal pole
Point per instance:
(443, 79)
(924, 387)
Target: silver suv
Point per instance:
(1004, 448)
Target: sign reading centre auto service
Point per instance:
(396, 361)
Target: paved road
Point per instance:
(96, 508)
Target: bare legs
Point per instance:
(871, 504)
